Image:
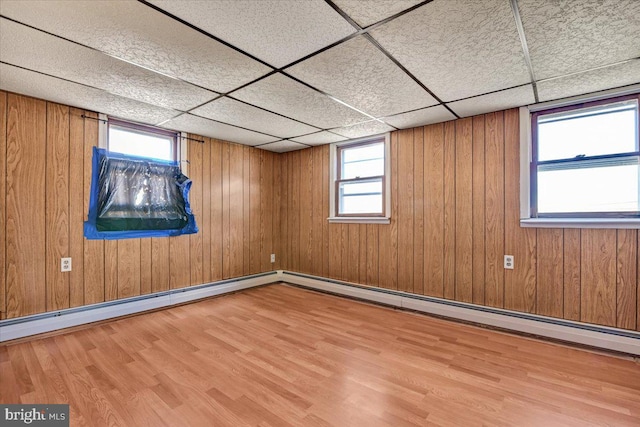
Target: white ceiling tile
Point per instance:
(358, 73)
(14, 79)
(276, 31)
(426, 116)
(283, 146)
(28, 48)
(515, 97)
(623, 74)
(458, 48)
(367, 12)
(205, 127)
(280, 94)
(136, 33)
(240, 114)
(319, 138)
(568, 36)
(372, 127)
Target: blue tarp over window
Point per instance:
(134, 197)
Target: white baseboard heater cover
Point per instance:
(614, 339)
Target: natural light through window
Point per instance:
(587, 160)
(138, 142)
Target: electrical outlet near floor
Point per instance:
(508, 262)
(273, 258)
(65, 264)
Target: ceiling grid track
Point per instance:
(525, 47)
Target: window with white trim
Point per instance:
(142, 141)
(585, 160)
(360, 180)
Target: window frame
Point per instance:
(529, 216)
(335, 180)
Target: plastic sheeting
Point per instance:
(135, 197)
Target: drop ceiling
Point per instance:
(283, 75)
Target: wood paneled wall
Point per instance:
(455, 213)
(45, 176)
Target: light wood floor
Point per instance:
(283, 356)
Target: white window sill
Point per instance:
(359, 220)
(580, 223)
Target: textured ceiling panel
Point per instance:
(206, 127)
(497, 101)
(367, 12)
(422, 117)
(319, 138)
(372, 127)
(568, 36)
(38, 51)
(285, 96)
(276, 31)
(237, 113)
(623, 74)
(131, 31)
(30, 83)
(359, 74)
(283, 146)
(458, 48)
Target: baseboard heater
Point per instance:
(614, 339)
(619, 340)
(20, 327)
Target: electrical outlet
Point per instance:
(508, 262)
(65, 264)
(273, 258)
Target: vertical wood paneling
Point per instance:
(494, 209)
(94, 289)
(160, 273)
(195, 198)
(76, 207)
(372, 255)
(179, 261)
(145, 266)
(226, 219)
(294, 214)
(347, 260)
(205, 219)
(217, 208)
(388, 234)
(317, 213)
(352, 273)
(550, 266)
(305, 209)
(434, 210)
(236, 226)
(246, 209)
(464, 210)
(256, 226)
(449, 209)
(362, 253)
(418, 210)
(3, 216)
(405, 212)
(111, 270)
(272, 211)
(626, 279)
(25, 206)
(638, 285)
(325, 209)
(284, 212)
(598, 276)
(571, 273)
(478, 209)
(57, 205)
(128, 268)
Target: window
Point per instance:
(359, 184)
(141, 141)
(137, 186)
(585, 160)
